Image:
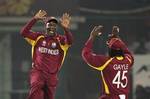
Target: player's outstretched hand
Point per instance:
(97, 31)
(41, 15)
(65, 20)
(115, 32)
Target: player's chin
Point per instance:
(51, 33)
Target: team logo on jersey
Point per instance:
(44, 43)
(53, 45)
(48, 51)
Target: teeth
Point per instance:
(51, 32)
(99, 33)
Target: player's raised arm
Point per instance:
(114, 38)
(87, 52)
(26, 30)
(65, 24)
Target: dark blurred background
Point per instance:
(76, 79)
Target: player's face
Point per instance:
(51, 28)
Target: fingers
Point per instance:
(115, 29)
(42, 12)
(66, 16)
(97, 31)
(98, 28)
(94, 29)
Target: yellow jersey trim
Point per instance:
(105, 85)
(64, 48)
(33, 45)
(120, 57)
(100, 68)
(30, 41)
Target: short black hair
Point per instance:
(115, 52)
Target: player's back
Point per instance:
(116, 76)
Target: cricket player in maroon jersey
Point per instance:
(114, 68)
(48, 53)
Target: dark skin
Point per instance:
(97, 31)
(115, 32)
(51, 26)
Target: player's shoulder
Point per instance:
(129, 58)
(40, 33)
(107, 59)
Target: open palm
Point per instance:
(65, 20)
(97, 30)
(41, 14)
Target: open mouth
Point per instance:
(51, 32)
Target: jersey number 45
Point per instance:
(119, 78)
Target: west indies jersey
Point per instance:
(114, 70)
(48, 52)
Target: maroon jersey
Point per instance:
(114, 70)
(48, 52)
